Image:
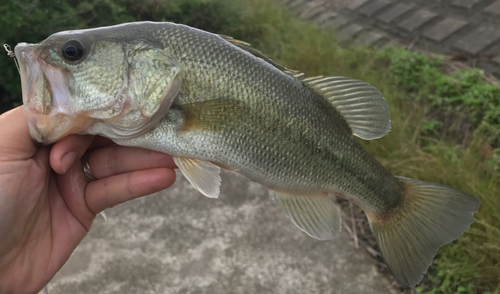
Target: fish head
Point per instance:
(100, 81)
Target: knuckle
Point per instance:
(112, 159)
(129, 185)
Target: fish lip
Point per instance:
(25, 57)
(45, 98)
(23, 51)
(36, 134)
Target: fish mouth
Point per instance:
(46, 98)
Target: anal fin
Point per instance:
(203, 175)
(316, 215)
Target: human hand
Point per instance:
(46, 204)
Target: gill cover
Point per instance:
(153, 84)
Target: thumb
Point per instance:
(16, 142)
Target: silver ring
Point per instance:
(86, 168)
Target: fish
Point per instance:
(214, 102)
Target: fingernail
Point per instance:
(67, 160)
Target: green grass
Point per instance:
(426, 106)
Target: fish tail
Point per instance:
(428, 216)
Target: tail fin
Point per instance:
(430, 215)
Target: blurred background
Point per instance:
(438, 76)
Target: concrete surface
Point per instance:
(468, 29)
(179, 241)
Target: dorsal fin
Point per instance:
(246, 46)
(361, 104)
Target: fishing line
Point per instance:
(12, 55)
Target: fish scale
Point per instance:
(284, 160)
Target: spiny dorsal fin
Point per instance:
(246, 46)
(361, 104)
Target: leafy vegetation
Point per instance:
(445, 127)
(464, 94)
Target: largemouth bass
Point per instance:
(212, 101)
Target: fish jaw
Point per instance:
(48, 130)
(46, 98)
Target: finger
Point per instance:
(15, 142)
(108, 192)
(72, 185)
(114, 160)
(100, 142)
(65, 152)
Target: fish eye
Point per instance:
(72, 50)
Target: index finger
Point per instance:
(66, 151)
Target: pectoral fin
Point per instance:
(316, 215)
(203, 175)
